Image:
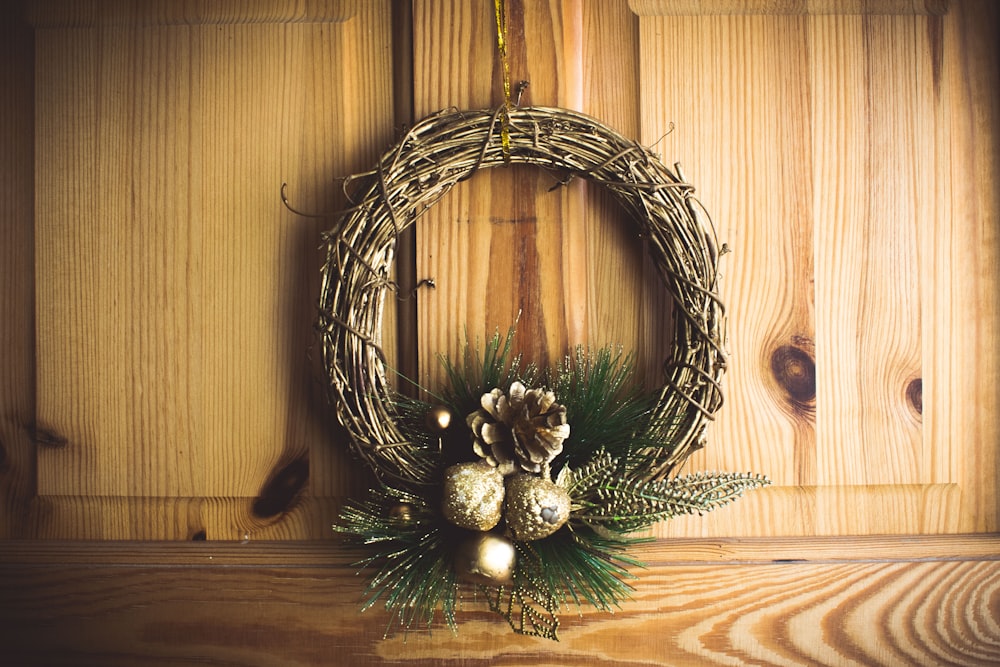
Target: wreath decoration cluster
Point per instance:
(526, 484)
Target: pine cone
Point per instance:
(523, 430)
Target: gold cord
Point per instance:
(501, 16)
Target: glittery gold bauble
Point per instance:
(536, 507)
(438, 419)
(473, 495)
(486, 558)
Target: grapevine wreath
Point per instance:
(519, 485)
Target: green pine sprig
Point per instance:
(478, 371)
(412, 557)
(617, 435)
(586, 568)
(565, 567)
(481, 370)
(606, 408)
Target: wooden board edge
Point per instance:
(659, 553)
(794, 7)
(95, 13)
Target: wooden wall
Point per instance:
(168, 467)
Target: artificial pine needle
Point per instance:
(618, 434)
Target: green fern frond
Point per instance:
(582, 482)
(606, 498)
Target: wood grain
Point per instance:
(17, 275)
(742, 141)
(169, 395)
(90, 13)
(869, 222)
(961, 246)
(829, 145)
(776, 7)
(502, 247)
(679, 551)
(176, 295)
(187, 609)
(177, 518)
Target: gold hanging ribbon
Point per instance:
(501, 16)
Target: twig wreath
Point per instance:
(524, 485)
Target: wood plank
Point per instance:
(744, 142)
(501, 244)
(873, 509)
(659, 553)
(836, 613)
(916, 277)
(90, 13)
(286, 516)
(867, 104)
(858, 207)
(17, 275)
(962, 253)
(776, 7)
(176, 294)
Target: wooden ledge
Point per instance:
(798, 7)
(661, 553)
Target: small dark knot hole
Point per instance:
(795, 371)
(46, 437)
(281, 491)
(915, 395)
(199, 536)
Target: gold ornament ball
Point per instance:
(438, 419)
(473, 495)
(486, 558)
(536, 507)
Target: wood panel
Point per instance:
(17, 275)
(565, 265)
(132, 167)
(175, 292)
(828, 149)
(179, 517)
(741, 141)
(176, 400)
(223, 604)
(962, 253)
(90, 13)
(791, 7)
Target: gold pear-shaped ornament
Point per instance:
(473, 495)
(536, 507)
